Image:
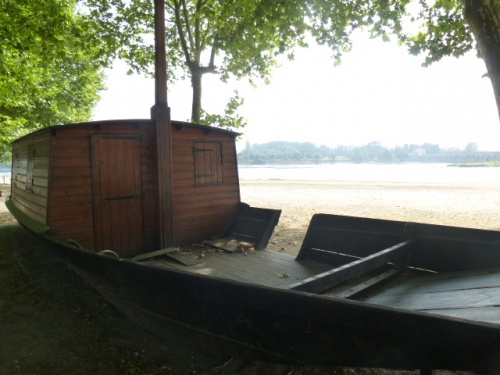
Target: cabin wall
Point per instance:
(205, 179)
(97, 183)
(30, 164)
(71, 211)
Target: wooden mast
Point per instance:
(160, 114)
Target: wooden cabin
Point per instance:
(96, 183)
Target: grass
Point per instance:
(483, 164)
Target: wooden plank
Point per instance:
(180, 184)
(184, 258)
(73, 131)
(470, 298)
(29, 198)
(154, 254)
(446, 282)
(341, 274)
(210, 196)
(65, 182)
(209, 134)
(206, 230)
(368, 284)
(183, 160)
(71, 200)
(41, 173)
(71, 162)
(205, 203)
(60, 154)
(230, 244)
(73, 191)
(77, 142)
(279, 270)
(489, 314)
(332, 258)
(31, 211)
(212, 217)
(41, 163)
(208, 212)
(191, 189)
(74, 221)
(70, 172)
(71, 229)
(350, 235)
(70, 211)
(40, 182)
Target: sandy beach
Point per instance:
(466, 205)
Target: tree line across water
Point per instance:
(307, 152)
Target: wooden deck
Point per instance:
(473, 295)
(263, 267)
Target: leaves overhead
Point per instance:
(50, 66)
(52, 52)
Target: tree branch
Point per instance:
(483, 17)
(182, 36)
(188, 25)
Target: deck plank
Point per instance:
(473, 295)
(489, 278)
(481, 314)
(263, 267)
(472, 298)
(319, 283)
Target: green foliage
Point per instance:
(280, 151)
(243, 38)
(235, 38)
(443, 31)
(230, 120)
(306, 152)
(332, 22)
(50, 67)
(488, 164)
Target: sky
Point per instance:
(378, 93)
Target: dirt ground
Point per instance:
(53, 323)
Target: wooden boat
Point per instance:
(149, 212)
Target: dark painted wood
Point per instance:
(369, 284)
(329, 279)
(350, 235)
(254, 225)
(287, 326)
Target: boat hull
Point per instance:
(282, 325)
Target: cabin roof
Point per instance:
(178, 125)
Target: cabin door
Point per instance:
(117, 194)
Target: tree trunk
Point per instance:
(483, 16)
(196, 75)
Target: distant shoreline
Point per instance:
(489, 164)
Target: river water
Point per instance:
(405, 172)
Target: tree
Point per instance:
(446, 27)
(451, 27)
(231, 38)
(47, 74)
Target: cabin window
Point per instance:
(208, 163)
